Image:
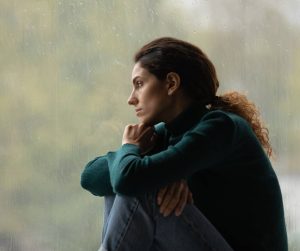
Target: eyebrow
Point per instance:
(134, 79)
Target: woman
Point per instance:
(194, 174)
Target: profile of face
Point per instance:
(149, 96)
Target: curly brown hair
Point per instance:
(239, 104)
(199, 80)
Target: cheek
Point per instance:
(157, 104)
(156, 95)
(154, 100)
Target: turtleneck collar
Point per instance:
(186, 119)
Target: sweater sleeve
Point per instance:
(200, 148)
(95, 177)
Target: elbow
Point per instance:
(84, 182)
(86, 177)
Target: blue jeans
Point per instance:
(135, 223)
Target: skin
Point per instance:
(160, 101)
(157, 101)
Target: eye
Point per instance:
(139, 84)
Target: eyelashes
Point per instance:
(138, 84)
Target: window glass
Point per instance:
(65, 79)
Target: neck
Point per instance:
(177, 107)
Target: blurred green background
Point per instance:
(65, 71)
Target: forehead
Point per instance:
(138, 70)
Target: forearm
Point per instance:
(132, 174)
(201, 148)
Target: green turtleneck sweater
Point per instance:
(231, 178)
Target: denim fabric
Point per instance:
(135, 224)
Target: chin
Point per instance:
(148, 121)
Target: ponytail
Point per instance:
(239, 104)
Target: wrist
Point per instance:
(129, 142)
(131, 147)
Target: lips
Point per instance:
(137, 111)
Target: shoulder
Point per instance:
(222, 115)
(216, 119)
(219, 125)
(224, 119)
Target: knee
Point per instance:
(144, 202)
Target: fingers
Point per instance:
(148, 144)
(146, 134)
(142, 129)
(182, 201)
(161, 195)
(138, 132)
(168, 196)
(171, 198)
(174, 198)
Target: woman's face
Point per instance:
(149, 96)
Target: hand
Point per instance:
(141, 135)
(174, 197)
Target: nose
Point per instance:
(132, 100)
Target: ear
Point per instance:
(173, 82)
